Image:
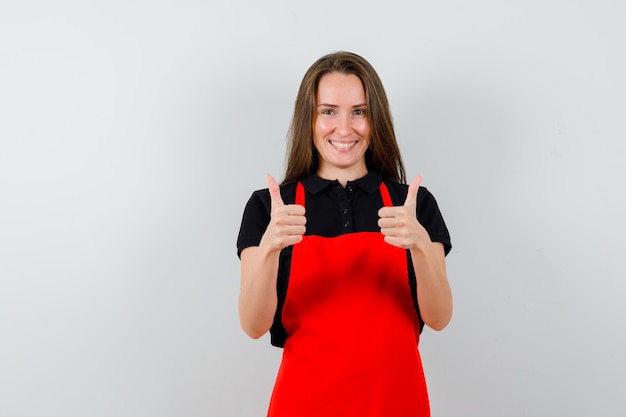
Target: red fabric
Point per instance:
(353, 331)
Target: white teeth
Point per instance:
(342, 145)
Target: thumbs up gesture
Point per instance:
(399, 224)
(287, 222)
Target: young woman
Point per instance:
(343, 263)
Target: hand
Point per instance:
(287, 222)
(399, 224)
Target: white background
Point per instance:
(133, 132)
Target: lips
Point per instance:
(343, 145)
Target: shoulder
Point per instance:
(261, 198)
(398, 192)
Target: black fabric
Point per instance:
(332, 210)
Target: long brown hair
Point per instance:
(383, 156)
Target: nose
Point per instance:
(344, 124)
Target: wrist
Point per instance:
(421, 247)
(267, 249)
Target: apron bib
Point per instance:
(353, 331)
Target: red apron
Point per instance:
(353, 331)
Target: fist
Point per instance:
(287, 221)
(399, 224)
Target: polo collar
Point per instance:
(370, 183)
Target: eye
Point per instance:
(328, 112)
(359, 112)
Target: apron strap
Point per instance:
(384, 192)
(300, 194)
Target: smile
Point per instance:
(343, 145)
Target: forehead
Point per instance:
(340, 88)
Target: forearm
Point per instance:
(257, 297)
(433, 289)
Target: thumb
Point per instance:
(276, 199)
(411, 196)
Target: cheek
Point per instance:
(321, 127)
(318, 134)
(364, 129)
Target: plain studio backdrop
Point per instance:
(133, 132)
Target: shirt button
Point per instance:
(346, 224)
(350, 189)
(345, 211)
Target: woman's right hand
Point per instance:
(259, 264)
(287, 222)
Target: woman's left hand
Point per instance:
(399, 224)
(400, 227)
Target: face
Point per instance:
(341, 131)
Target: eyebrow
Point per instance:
(335, 105)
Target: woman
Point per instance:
(343, 263)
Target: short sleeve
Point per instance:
(430, 217)
(256, 217)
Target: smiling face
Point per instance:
(341, 130)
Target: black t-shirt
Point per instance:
(332, 210)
